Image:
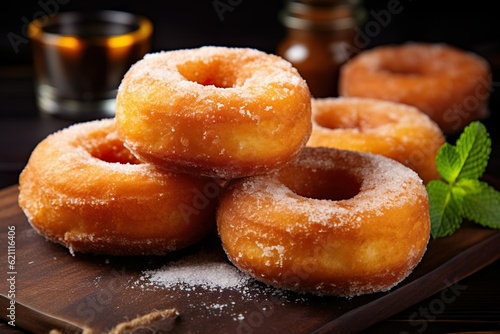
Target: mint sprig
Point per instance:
(459, 194)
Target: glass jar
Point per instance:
(319, 39)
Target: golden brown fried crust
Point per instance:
(216, 111)
(333, 222)
(397, 131)
(83, 189)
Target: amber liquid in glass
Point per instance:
(79, 68)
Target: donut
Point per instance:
(451, 85)
(83, 189)
(395, 130)
(332, 222)
(214, 111)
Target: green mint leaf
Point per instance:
(445, 208)
(481, 202)
(474, 147)
(448, 162)
(460, 194)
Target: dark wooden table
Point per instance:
(476, 303)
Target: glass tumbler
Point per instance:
(80, 59)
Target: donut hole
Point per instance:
(402, 68)
(332, 184)
(213, 73)
(112, 151)
(351, 116)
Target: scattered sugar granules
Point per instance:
(211, 285)
(203, 270)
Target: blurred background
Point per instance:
(254, 23)
(470, 25)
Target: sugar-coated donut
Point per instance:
(333, 222)
(395, 130)
(451, 85)
(83, 189)
(214, 111)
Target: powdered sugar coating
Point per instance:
(83, 189)
(395, 130)
(365, 241)
(270, 70)
(216, 111)
(384, 186)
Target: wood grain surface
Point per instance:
(55, 290)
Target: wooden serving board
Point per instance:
(55, 290)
